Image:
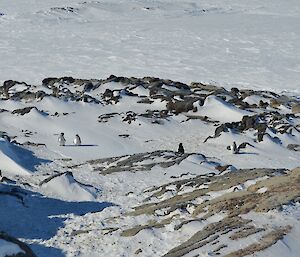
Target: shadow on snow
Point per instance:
(29, 215)
(22, 156)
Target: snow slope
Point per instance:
(126, 191)
(231, 43)
(218, 109)
(14, 159)
(67, 188)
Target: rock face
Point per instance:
(25, 250)
(281, 189)
(134, 162)
(296, 108)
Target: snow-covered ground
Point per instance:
(110, 196)
(127, 191)
(252, 44)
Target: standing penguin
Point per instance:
(234, 148)
(61, 139)
(77, 140)
(180, 149)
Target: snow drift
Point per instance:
(10, 158)
(67, 187)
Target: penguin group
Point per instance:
(62, 140)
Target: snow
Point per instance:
(66, 187)
(74, 203)
(245, 44)
(289, 245)
(231, 43)
(10, 158)
(219, 110)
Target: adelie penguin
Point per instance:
(234, 148)
(61, 139)
(180, 149)
(77, 140)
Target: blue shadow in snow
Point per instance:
(44, 251)
(37, 216)
(22, 156)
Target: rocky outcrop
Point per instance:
(134, 162)
(23, 111)
(279, 123)
(296, 108)
(272, 190)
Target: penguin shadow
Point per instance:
(82, 145)
(247, 153)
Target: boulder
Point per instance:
(24, 110)
(296, 108)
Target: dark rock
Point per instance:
(180, 85)
(164, 114)
(248, 122)
(123, 80)
(138, 251)
(261, 129)
(205, 87)
(234, 91)
(68, 80)
(24, 110)
(263, 104)
(40, 94)
(88, 87)
(55, 91)
(145, 100)
(124, 135)
(221, 128)
(105, 117)
(49, 81)
(294, 147)
(243, 146)
(180, 106)
(240, 103)
(222, 168)
(274, 103)
(129, 93)
(296, 109)
(130, 116)
(33, 144)
(86, 99)
(108, 93)
(25, 95)
(8, 84)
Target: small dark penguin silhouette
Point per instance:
(180, 149)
